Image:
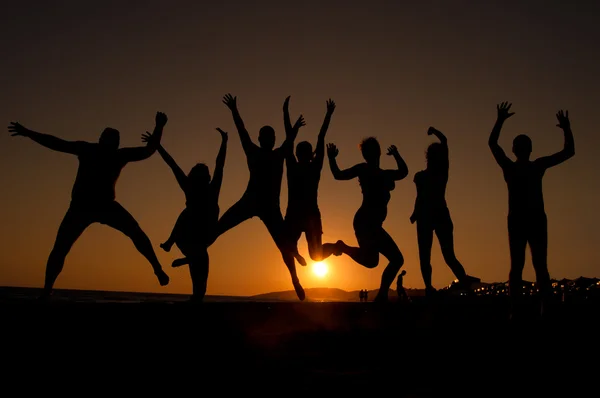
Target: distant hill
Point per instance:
(328, 294)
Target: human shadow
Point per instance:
(262, 196)
(376, 185)
(432, 215)
(93, 194)
(196, 223)
(303, 171)
(527, 221)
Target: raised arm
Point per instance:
(288, 145)
(179, 174)
(440, 136)
(290, 135)
(568, 150)
(503, 114)
(338, 174)
(144, 152)
(217, 179)
(247, 143)
(49, 141)
(320, 150)
(402, 171)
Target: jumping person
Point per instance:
(93, 194)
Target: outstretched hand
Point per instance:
(17, 129)
(299, 123)
(432, 130)
(224, 135)
(330, 106)
(230, 101)
(161, 119)
(503, 111)
(392, 151)
(148, 138)
(563, 120)
(332, 151)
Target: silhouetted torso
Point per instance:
(203, 202)
(431, 192)
(525, 194)
(376, 186)
(303, 186)
(97, 175)
(266, 172)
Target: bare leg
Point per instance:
(538, 244)
(517, 235)
(71, 228)
(390, 250)
(273, 220)
(179, 225)
(117, 217)
(241, 211)
(425, 240)
(445, 233)
(199, 274)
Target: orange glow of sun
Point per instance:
(320, 269)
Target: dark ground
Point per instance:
(457, 346)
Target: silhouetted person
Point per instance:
(376, 185)
(366, 295)
(400, 286)
(361, 295)
(197, 222)
(303, 177)
(432, 215)
(527, 222)
(93, 194)
(261, 198)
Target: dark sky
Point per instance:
(72, 68)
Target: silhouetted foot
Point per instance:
(300, 259)
(467, 282)
(380, 298)
(166, 246)
(179, 262)
(163, 278)
(430, 292)
(299, 290)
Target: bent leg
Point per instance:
(445, 233)
(273, 220)
(241, 211)
(390, 250)
(314, 236)
(71, 228)
(115, 216)
(425, 241)
(175, 232)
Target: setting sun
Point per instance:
(320, 269)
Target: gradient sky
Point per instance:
(394, 68)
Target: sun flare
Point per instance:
(320, 269)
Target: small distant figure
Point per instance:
(376, 185)
(361, 295)
(196, 223)
(432, 215)
(366, 295)
(527, 222)
(93, 195)
(400, 286)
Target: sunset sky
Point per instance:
(394, 68)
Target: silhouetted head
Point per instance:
(403, 272)
(199, 175)
(371, 150)
(522, 147)
(304, 152)
(109, 139)
(437, 156)
(266, 137)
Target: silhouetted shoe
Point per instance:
(300, 259)
(380, 298)
(299, 290)
(179, 262)
(467, 282)
(166, 246)
(163, 278)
